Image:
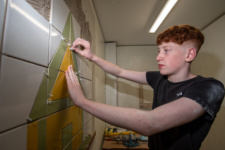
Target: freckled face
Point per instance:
(171, 58)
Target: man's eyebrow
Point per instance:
(163, 47)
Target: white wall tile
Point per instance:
(86, 117)
(128, 94)
(56, 38)
(77, 34)
(76, 28)
(111, 81)
(2, 14)
(147, 93)
(59, 13)
(26, 33)
(14, 139)
(88, 128)
(138, 58)
(85, 67)
(19, 84)
(86, 87)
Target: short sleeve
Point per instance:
(208, 93)
(152, 77)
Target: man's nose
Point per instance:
(159, 57)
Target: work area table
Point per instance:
(118, 145)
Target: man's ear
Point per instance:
(191, 54)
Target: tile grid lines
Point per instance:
(4, 131)
(64, 38)
(85, 78)
(40, 119)
(27, 61)
(76, 134)
(48, 61)
(28, 122)
(45, 72)
(3, 29)
(49, 42)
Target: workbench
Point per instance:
(118, 145)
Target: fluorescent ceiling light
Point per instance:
(164, 12)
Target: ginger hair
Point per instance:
(180, 34)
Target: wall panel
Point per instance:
(36, 111)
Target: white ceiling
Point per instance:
(127, 22)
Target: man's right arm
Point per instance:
(139, 77)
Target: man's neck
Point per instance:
(180, 78)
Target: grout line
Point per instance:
(78, 133)
(86, 78)
(27, 61)
(4, 22)
(12, 128)
(91, 141)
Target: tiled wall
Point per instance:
(35, 109)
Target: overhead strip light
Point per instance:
(164, 12)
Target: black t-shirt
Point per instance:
(208, 92)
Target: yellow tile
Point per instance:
(55, 125)
(67, 60)
(77, 141)
(32, 136)
(58, 121)
(60, 90)
(75, 117)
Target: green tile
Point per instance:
(70, 102)
(85, 143)
(57, 60)
(75, 61)
(57, 105)
(72, 37)
(51, 79)
(69, 147)
(39, 108)
(42, 134)
(66, 30)
(67, 135)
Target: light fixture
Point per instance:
(164, 12)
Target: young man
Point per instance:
(184, 105)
